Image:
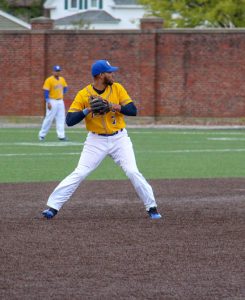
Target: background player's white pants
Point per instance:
(96, 147)
(58, 113)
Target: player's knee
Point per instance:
(131, 173)
(83, 171)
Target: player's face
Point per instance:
(56, 74)
(108, 79)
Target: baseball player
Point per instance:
(54, 88)
(103, 105)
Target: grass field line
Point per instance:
(226, 139)
(192, 151)
(155, 131)
(187, 132)
(38, 154)
(69, 143)
(140, 151)
(43, 144)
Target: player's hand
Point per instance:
(99, 105)
(115, 107)
(49, 106)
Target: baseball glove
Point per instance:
(99, 105)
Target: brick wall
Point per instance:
(201, 74)
(169, 73)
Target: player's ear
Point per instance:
(97, 76)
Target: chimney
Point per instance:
(151, 23)
(42, 23)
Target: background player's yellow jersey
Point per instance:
(55, 87)
(107, 123)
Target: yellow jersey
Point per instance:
(55, 87)
(109, 122)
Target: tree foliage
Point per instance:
(4, 5)
(198, 13)
(35, 9)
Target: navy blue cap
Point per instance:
(102, 66)
(57, 68)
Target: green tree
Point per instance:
(35, 9)
(198, 13)
(4, 5)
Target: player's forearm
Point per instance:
(73, 118)
(46, 96)
(129, 109)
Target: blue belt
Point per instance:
(105, 134)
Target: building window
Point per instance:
(83, 4)
(94, 3)
(73, 3)
(80, 4)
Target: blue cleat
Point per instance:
(49, 213)
(64, 139)
(153, 213)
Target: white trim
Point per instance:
(15, 20)
(49, 4)
(126, 6)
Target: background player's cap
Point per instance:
(57, 68)
(102, 66)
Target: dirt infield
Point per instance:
(105, 247)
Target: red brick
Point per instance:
(169, 73)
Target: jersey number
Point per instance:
(113, 119)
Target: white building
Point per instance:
(94, 14)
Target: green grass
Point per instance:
(160, 153)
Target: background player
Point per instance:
(107, 136)
(54, 88)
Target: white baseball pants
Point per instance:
(58, 113)
(96, 148)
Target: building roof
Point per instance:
(8, 22)
(89, 17)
